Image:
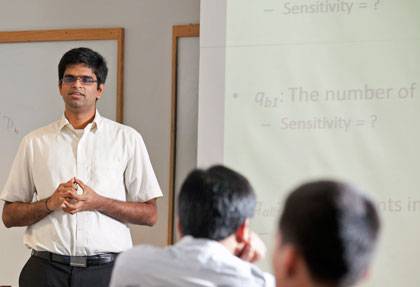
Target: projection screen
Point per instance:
(297, 90)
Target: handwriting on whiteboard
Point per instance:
(7, 124)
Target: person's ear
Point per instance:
(60, 85)
(179, 228)
(289, 260)
(101, 89)
(243, 232)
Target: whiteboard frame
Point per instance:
(178, 31)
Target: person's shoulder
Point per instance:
(249, 272)
(269, 280)
(141, 257)
(41, 132)
(139, 253)
(134, 265)
(126, 130)
(263, 278)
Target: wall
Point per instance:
(147, 91)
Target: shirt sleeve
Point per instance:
(20, 185)
(140, 179)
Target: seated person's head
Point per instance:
(327, 236)
(215, 204)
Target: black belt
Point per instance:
(77, 261)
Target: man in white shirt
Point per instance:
(327, 235)
(77, 183)
(215, 206)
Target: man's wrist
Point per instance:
(101, 203)
(46, 205)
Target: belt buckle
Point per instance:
(78, 261)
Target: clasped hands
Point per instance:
(66, 198)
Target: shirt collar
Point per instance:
(96, 123)
(97, 120)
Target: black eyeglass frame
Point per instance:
(84, 80)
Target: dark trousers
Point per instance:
(40, 272)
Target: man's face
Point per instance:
(79, 89)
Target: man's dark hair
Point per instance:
(334, 227)
(87, 57)
(213, 203)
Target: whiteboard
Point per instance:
(29, 99)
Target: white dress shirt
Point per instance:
(107, 156)
(190, 262)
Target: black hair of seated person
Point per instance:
(335, 228)
(214, 202)
(87, 57)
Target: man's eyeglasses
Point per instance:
(85, 80)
